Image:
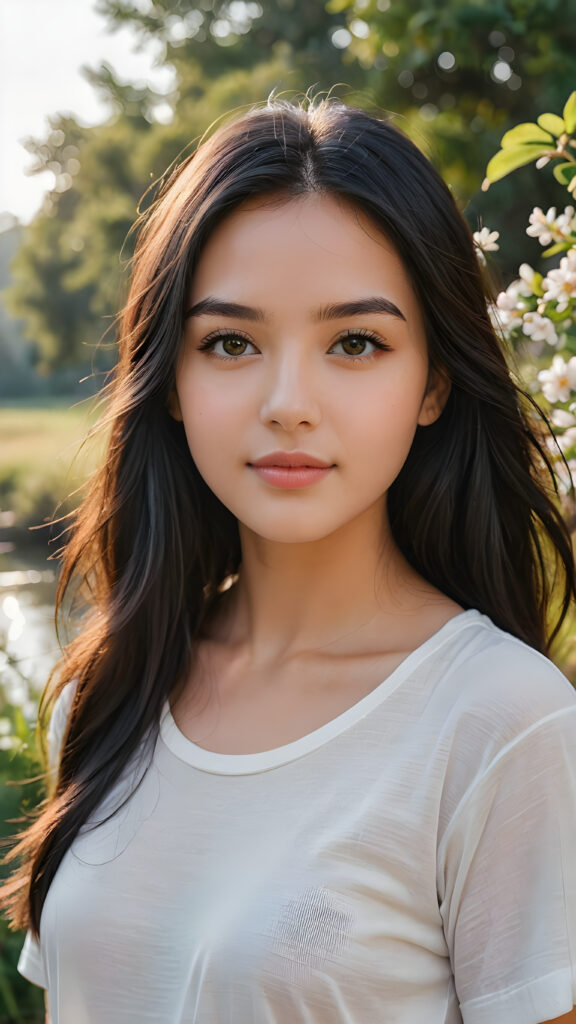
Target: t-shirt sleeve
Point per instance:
(507, 880)
(31, 964)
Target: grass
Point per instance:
(40, 458)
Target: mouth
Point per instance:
(290, 477)
(290, 460)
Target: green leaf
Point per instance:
(526, 132)
(509, 159)
(570, 344)
(337, 6)
(552, 123)
(569, 113)
(21, 725)
(558, 319)
(565, 172)
(558, 247)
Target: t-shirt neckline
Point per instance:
(248, 764)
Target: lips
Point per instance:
(291, 460)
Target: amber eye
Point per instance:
(233, 346)
(353, 345)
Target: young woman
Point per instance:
(310, 761)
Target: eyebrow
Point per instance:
(212, 306)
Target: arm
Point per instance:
(46, 1007)
(512, 941)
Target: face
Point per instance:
(303, 336)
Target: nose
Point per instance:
(290, 396)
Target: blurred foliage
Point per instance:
(20, 1002)
(215, 37)
(456, 74)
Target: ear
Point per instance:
(435, 398)
(173, 406)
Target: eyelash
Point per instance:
(360, 332)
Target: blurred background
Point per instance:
(97, 98)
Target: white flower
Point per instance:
(548, 227)
(566, 222)
(539, 328)
(560, 285)
(567, 421)
(502, 319)
(564, 476)
(559, 380)
(561, 418)
(486, 240)
(502, 316)
(543, 226)
(526, 278)
(508, 300)
(507, 313)
(567, 439)
(519, 289)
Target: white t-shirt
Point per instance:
(413, 861)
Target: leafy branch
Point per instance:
(537, 312)
(549, 138)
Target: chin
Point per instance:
(290, 532)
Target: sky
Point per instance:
(43, 46)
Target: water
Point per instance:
(29, 647)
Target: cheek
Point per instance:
(212, 417)
(389, 413)
(382, 432)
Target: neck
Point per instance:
(294, 598)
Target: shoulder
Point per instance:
(496, 700)
(494, 675)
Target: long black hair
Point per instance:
(472, 509)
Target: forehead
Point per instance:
(316, 245)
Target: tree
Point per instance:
(457, 75)
(67, 274)
(461, 74)
(223, 36)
